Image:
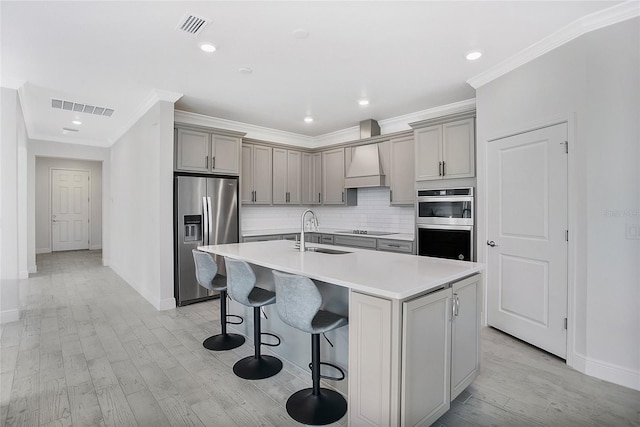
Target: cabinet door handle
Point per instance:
(439, 168)
(455, 306)
(443, 171)
(319, 198)
(343, 197)
(206, 162)
(391, 195)
(213, 162)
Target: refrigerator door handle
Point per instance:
(205, 220)
(210, 221)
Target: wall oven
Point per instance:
(444, 223)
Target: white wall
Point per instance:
(372, 213)
(141, 206)
(67, 153)
(13, 263)
(591, 82)
(43, 168)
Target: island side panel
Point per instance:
(373, 361)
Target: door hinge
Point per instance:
(565, 323)
(566, 235)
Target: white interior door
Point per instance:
(69, 210)
(527, 257)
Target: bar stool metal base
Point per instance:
(222, 342)
(252, 368)
(325, 408)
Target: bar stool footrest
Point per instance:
(306, 408)
(222, 342)
(235, 322)
(271, 335)
(252, 368)
(327, 377)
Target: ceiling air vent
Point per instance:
(81, 108)
(193, 24)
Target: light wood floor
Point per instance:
(89, 350)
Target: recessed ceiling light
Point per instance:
(300, 33)
(245, 70)
(207, 47)
(472, 56)
(76, 122)
(308, 119)
(363, 102)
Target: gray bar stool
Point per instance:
(206, 270)
(241, 282)
(299, 305)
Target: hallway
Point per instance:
(89, 350)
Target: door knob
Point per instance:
(491, 243)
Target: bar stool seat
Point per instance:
(241, 283)
(299, 305)
(206, 270)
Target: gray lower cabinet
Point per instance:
(465, 333)
(400, 246)
(293, 237)
(412, 358)
(355, 242)
(426, 358)
(262, 238)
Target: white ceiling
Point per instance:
(402, 56)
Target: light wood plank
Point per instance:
(85, 408)
(115, 408)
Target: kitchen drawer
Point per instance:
(355, 242)
(262, 238)
(327, 239)
(401, 246)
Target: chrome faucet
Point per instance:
(314, 222)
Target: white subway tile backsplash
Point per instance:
(372, 213)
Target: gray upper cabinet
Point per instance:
(445, 151)
(256, 178)
(402, 185)
(286, 176)
(333, 171)
(207, 152)
(311, 178)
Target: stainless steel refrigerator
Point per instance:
(205, 213)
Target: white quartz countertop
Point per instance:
(394, 236)
(383, 274)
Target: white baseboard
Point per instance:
(9, 315)
(23, 274)
(43, 250)
(607, 371)
(95, 247)
(33, 269)
(166, 304)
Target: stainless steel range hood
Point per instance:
(365, 169)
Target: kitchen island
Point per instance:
(413, 335)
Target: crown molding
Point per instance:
(251, 131)
(69, 140)
(154, 96)
(603, 18)
(400, 123)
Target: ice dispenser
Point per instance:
(192, 228)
